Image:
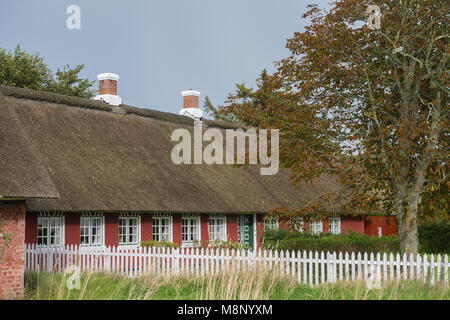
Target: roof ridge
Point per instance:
(22, 93)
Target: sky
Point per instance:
(159, 48)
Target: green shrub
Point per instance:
(219, 244)
(435, 237)
(162, 244)
(353, 242)
(274, 235)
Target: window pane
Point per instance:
(156, 229)
(42, 222)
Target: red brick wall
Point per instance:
(11, 258)
(190, 101)
(108, 87)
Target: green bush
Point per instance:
(353, 242)
(435, 237)
(162, 244)
(219, 244)
(274, 235)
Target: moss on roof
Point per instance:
(102, 106)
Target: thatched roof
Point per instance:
(22, 174)
(90, 158)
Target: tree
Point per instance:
(67, 82)
(24, 70)
(243, 96)
(368, 107)
(214, 112)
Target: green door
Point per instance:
(246, 229)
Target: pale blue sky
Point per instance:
(159, 48)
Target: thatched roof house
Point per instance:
(81, 163)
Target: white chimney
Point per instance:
(191, 104)
(108, 89)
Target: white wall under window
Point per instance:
(50, 231)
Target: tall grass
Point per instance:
(255, 283)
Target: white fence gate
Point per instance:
(307, 267)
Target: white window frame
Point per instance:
(159, 218)
(190, 218)
(271, 223)
(127, 234)
(48, 236)
(316, 227)
(90, 244)
(334, 225)
(214, 233)
(300, 223)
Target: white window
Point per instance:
(217, 228)
(299, 225)
(162, 228)
(50, 231)
(91, 231)
(271, 223)
(128, 230)
(334, 225)
(316, 227)
(190, 229)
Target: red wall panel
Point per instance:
(146, 227)
(259, 229)
(72, 228)
(204, 223)
(389, 226)
(325, 226)
(31, 227)
(232, 228)
(356, 224)
(176, 229)
(111, 229)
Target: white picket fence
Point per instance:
(307, 267)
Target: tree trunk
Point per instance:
(406, 210)
(407, 231)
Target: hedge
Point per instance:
(435, 237)
(162, 244)
(353, 242)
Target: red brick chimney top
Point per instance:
(108, 83)
(190, 99)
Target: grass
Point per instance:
(253, 284)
